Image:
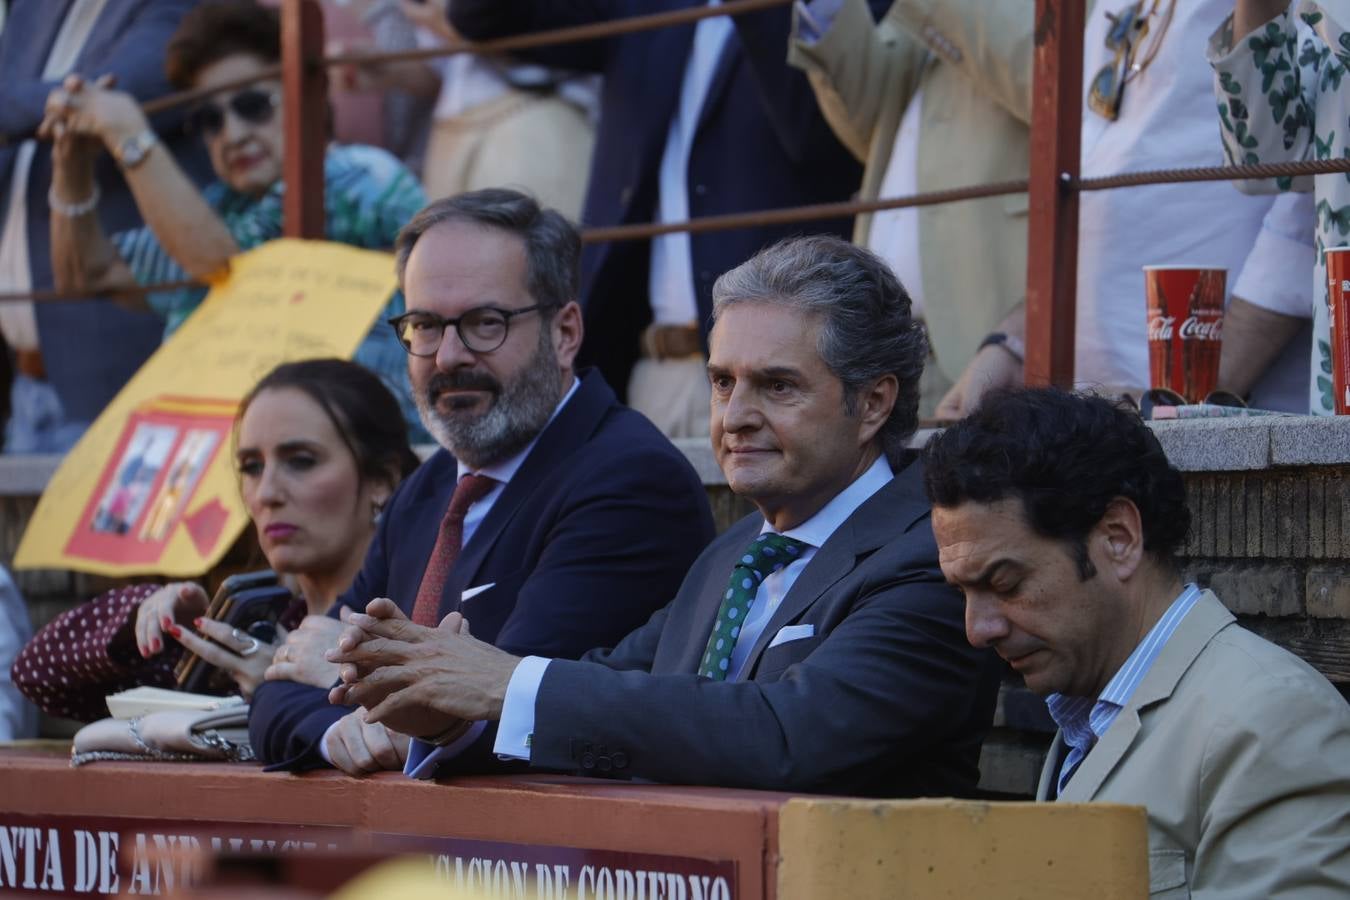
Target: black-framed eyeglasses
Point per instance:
(482, 329)
(255, 106)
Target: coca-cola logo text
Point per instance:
(1193, 328)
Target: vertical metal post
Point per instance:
(1052, 258)
(305, 92)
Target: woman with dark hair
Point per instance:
(191, 234)
(320, 447)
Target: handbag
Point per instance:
(167, 736)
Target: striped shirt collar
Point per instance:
(1083, 721)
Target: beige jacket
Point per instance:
(973, 59)
(1241, 753)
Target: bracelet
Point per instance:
(1009, 342)
(73, 210)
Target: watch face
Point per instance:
(134, 149)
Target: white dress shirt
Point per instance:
(517, 722)
(894, 235)
(1167, 120)
(671, 280)
(502, 473)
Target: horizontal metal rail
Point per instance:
(815, 212)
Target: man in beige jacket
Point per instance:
(936, 96)
(1058, 515)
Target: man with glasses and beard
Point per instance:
(553, 517)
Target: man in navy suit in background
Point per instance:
(695, 120)
(554, 517)
(68, 360)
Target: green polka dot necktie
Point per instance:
(769, 553)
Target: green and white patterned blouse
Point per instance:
(1281, 100)
(368, 196)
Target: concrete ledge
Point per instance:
(26, 476)
(1236, 445)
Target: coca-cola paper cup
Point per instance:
(1185, 327)
(1338, 292)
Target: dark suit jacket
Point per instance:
(886, 698)
(592, 534)
(90, 349)
(761, 143)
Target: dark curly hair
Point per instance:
(217, 29)
(1066, 456)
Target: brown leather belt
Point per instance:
(671, 341)
(29, 362)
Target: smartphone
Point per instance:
(251, 602)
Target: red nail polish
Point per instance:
(155, 645)
(166, 622)
(197, 622)
(175, 631)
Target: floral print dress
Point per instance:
(1280, 100)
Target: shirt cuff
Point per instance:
(1275, 273)
(517, 724)
(323, 743)
(424, 758)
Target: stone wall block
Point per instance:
(1253, 517)
(1317, 517)
(1209, 517)
(1294, 518)
(1331, 509)
(1328, 592)
(1270, 519)
(1259, 590)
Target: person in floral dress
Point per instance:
(1278, 68)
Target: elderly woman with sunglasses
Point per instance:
(191, 234)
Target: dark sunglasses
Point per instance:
(1167, 397)
(252, 105)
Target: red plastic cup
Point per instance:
(1338, 287)
(1185, 328)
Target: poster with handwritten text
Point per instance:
(151, 487)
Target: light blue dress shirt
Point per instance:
(1083, 721)
(517, 723)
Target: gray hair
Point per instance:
(552, 244)
(867, 331)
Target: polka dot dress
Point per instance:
(89, 652)
(767, 554)
(71, 666)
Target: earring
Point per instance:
(376, 513)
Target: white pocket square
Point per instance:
(792, 633)
(475, 591)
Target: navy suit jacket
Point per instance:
(90, 349)
(885, 697)
(591, 535)
(761, 143)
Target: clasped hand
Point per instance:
(415, 679)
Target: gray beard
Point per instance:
(519, 411)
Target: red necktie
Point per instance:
(470, 490)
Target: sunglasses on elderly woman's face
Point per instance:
(252, 105)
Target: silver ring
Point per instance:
(251, 644)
